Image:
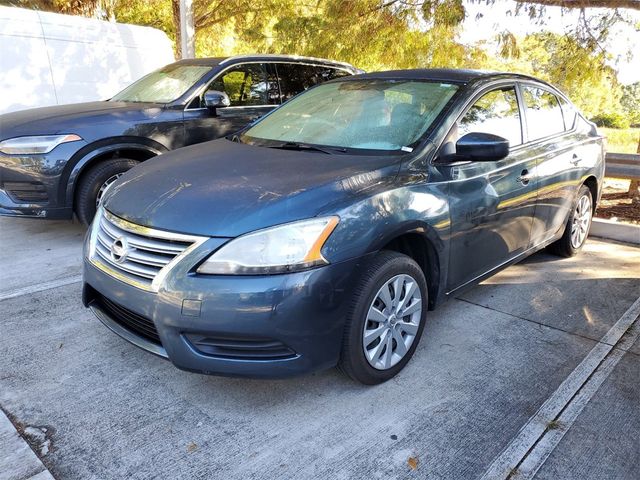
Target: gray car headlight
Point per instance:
(284, 248)
(35, 145)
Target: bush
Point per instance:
(621, 141)
(611, 120)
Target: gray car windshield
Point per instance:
(383, 115)
(164, 85)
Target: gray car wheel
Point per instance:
(386, 318)
(577, 227)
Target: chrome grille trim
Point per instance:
(150, 253)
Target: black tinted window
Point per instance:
(326, 73)
(295, 78)
(544, 116)
(247, 85)
(495, 112)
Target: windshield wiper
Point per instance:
(306, 146)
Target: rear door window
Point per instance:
(495, 112)
(544, 115)
(295, 78)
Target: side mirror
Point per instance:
(478, 147)
(214, 99)
(482, 147)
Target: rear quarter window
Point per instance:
(569, 113)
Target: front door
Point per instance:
(253, 92)
(492, 204)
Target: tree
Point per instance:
(632, 4)
(388, 34)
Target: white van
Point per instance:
(48, 58)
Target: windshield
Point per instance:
(363, 114)
(164, 85)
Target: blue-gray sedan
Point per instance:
(322, 234)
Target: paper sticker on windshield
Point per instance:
(406, 149)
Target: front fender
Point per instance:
(368, 225)
(85, 157)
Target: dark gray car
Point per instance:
(58, 160)
(322, 234)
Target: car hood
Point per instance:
(225, 189)
(73, 118)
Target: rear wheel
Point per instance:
(386, 319)
(95, 183)
(577, 228)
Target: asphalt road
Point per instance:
(535, 372)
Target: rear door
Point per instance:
(558, 158)
(492, 204)
(253, 91)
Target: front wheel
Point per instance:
(386, 319)
(577, 228)
(95, 183)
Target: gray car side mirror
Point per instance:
(214, 99)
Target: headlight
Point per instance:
(35, 145)
(285, 248)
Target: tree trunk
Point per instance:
(175, 10)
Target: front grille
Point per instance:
(138, 324)
(29, 192)
(133, 253)
(240, 348)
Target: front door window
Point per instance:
(247, 85)
(497, 113)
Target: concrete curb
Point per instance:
(621, 232)
(17, 459)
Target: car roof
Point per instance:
(214, 61)
(453, 75)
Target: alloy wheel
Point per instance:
(105, 186)
(581, 222)
(393, 320)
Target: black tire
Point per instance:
(564, 247)
(91, 183)
(383, 267)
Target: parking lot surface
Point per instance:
(547, 336)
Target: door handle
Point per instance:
(525, 177)
(575, 160)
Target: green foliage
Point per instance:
(622, 141)
(630, 102)
(151, 13)
(445, 13)
(611, 120)
(582, 73)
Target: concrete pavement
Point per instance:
(486, 364)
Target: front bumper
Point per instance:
(36, 185)
(10, 208)
(253, 326)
